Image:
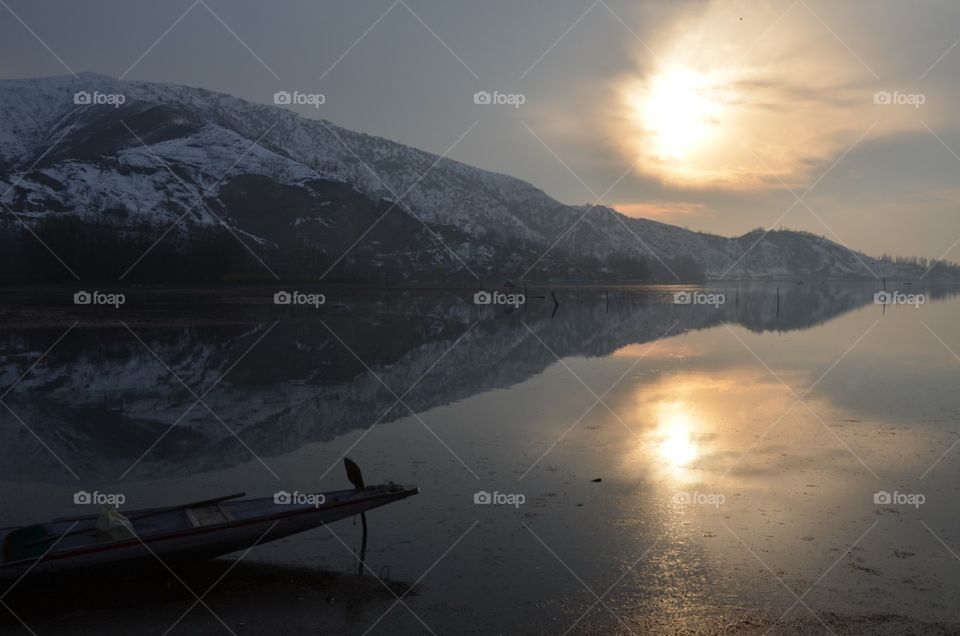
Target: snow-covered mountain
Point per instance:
(300, 192)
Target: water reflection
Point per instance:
(101, 399)
(676, 428)
(702, 400)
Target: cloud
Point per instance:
(676, 212)
(752, 103)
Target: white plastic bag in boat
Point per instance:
(114, 525)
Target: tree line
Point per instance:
(143, 254)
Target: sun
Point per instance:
(680, 111)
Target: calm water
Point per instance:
(740, 447)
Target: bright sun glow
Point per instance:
(677, 448)
(680, 110)
(726, 105)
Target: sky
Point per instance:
(722, 116)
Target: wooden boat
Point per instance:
(186, 533)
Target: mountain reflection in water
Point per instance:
(102, 398)
(681, 453)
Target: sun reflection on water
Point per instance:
(676, 429)
(691, 424)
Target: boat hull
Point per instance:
(255, 521)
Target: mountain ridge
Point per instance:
(139, 166)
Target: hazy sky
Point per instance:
(711, 112)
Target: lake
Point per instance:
(780, 457)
